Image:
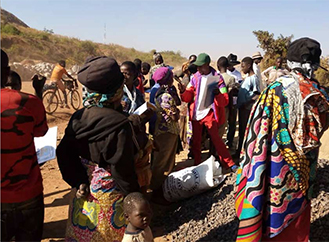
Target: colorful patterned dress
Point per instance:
(278, 168)
(99, 217)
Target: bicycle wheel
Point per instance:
(50, 101)
(75, 99)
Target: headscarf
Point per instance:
(101, 100)
(304, 56)
(162, 76)
(156, 55)
(103, 79)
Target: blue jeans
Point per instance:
(23, 220)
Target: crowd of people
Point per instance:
(119, 148)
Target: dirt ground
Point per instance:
(57, 192)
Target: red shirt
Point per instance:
(22, 118)
(140, 86)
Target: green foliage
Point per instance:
(321, 75)
(273, 47)
(10, 29)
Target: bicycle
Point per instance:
(51, 97)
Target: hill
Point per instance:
(7, 17)
(24, 43)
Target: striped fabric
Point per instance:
(275, 179)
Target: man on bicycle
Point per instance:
(56, 77)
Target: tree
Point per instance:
(273, 47)
(49, 31)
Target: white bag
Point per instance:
(193, 180)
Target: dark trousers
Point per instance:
(23, 220)
(243, 121)
(231, 127)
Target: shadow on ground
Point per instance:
(54, 229)
(60, 201)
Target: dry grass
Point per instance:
(23, 43)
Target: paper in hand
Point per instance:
(144, 107)
(45, 146)
(208, 96)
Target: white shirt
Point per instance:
(236, 74)
(202, 112)
(256, 70)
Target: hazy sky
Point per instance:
(190, 26)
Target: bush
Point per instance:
(10, 29)
(43, 36)
(88, 47)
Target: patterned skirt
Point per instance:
(99, 217)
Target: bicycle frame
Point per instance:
(55, 92)
(59, 95)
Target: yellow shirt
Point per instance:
(58, 73)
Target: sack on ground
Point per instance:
(193, 180)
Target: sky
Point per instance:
(189, 26)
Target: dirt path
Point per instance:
(57, 192)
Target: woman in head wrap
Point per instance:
(166, 130)
(96, 156)
(281, 145)
(158, 61)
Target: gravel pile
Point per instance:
(26, 71)
(211, 215)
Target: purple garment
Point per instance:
(162, 75)
(195, 82)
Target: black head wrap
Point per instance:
(101, 75)
(304, 50)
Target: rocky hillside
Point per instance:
(23, 43)
(7, 17)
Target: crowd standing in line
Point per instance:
(114, 166)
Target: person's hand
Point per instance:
(216, 91)
(147, 115)
(83, 191)
(134, 119)
(181, 87)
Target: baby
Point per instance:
(138, 213)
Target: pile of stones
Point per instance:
(211, 216)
